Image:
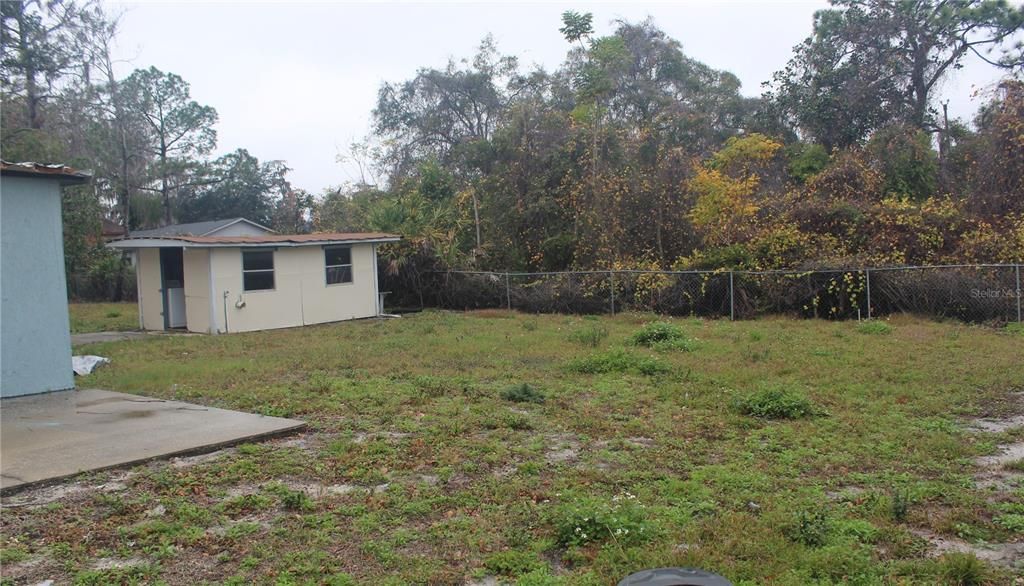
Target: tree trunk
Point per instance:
(31, 90)
(119, 115)
(165, 192)
(476, 221)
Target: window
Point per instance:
(338, 262)
(257, 270)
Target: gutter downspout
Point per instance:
(377, 302)
(226, 292)
(137, 264)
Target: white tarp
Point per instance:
(83, 365)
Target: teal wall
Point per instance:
(35, 339)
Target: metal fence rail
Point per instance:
(976, 293)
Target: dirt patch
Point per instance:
(994, 425)
(187, 461)
(115, 563)
(636, 442)
(74, 490)
(994, 475)
(222, 530)
(317, 490)
(846, 493)
(561, 448)
(385, 435)
(1010, 555)
(27, 571)
(302, 441)
(1007, 453)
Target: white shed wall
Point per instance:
(300, 296)
(197, 289)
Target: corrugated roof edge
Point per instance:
(58, 171)
(246, 241)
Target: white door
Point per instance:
(176, 307)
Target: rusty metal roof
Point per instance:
(264, 240)
(28, 169)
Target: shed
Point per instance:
(35, 338)
(222, 283)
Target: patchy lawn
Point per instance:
(103, 317)
(448, 448)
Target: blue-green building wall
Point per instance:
(35, 339)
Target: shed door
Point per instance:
(172, 277)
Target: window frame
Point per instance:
(350, 265)
(272, 270)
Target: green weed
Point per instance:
(899, 505)
(522, 393)
(1012, 522)
(962, 569)
(591, 519)
(590, 335)
(811, 528)
(617, 360)
(513, 563)
(656, 332)
(776, 403)
(874, 327)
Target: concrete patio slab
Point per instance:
(55, 435)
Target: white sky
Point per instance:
(297, 81)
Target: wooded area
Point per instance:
(629, 155)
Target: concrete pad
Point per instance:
(54, 435)
(95, 337)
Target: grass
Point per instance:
(443, 479)
(103, 317)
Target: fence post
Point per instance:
(732, 299)
(508, 293)
(611, 275)
(867, 272)
(1018, 294)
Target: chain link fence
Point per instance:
(973, 293)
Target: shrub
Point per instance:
(656, 332)
(522, 393)
(874, 327)
(962, 569)
(592, 519)
(776, 403)
(811, 529)
(617, 361)
(590, 335)
(1015, 328)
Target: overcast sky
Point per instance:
(297, 81)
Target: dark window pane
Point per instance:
(339, 275)
(254, 260)
(258, 281)
(341, 255)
